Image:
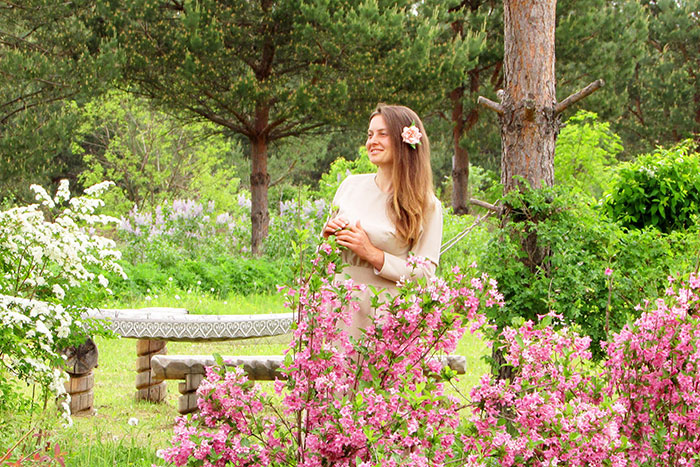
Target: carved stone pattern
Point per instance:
(201, 327)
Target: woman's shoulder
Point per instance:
(354, 180)
(433, 204)
(360, 178)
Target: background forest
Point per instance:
(194, 78)
(226, 127)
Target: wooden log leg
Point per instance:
(146, 388)
(187, 403)
(79, 387)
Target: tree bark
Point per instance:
(461, 125)
(259, 179)
(529, 125)
(460, 159)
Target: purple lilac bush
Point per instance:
(192, 228)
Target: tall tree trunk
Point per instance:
(461, 126)
(460, 159)
(529, 125)
(259, 179)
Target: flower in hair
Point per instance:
(411, 135)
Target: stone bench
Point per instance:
(191, 369)
(153, 327)
(176, 324)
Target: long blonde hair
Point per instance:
(412, 177)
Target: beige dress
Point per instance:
(359, 198)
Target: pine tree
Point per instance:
(272, 69)
(665, 99)
(594, 39)
(45, 62)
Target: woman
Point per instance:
(385, 217)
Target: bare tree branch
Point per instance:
(484, 204)
(574, 98)
(7, 117)
(295, 132)
(211, 116)
(240, 117)
(488, 103)
(284, 175)
(21, 98)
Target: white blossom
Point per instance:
(41, 327)
(63, 193)
(42, 195)
(50, 256)
(58, 291)
(99, 188)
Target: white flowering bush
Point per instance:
(47, 250)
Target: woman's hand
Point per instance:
(356, 240)
(334, 226)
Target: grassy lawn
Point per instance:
(108, 439)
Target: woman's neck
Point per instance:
(383, 179)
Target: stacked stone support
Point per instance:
(80, 361)
(155, 326)
(187, 403)
(146, 388)
(82, 398)
(191, 369)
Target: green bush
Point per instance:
(579, 243)
(586, 148)
(660, 190)
(222, 277)
(340, 169)
(152, 156)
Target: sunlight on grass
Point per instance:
(206, 304)
(473, 348)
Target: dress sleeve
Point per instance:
(339, 192)
(427, 246)
(338, 199)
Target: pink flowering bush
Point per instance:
(380, 401)
(376, 401)
(641, 407)
(552, 411)
(653, 367)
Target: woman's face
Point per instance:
(379, 146)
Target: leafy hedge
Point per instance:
(581, 243)
(222, 277)
(660, 190)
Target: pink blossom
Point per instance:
(411, 135)
(339, 392)
(381, 400)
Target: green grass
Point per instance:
(107, 439)
(206, 304)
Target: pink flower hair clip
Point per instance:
(411, 135)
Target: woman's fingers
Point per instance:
(334, 226)
(356, 239)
